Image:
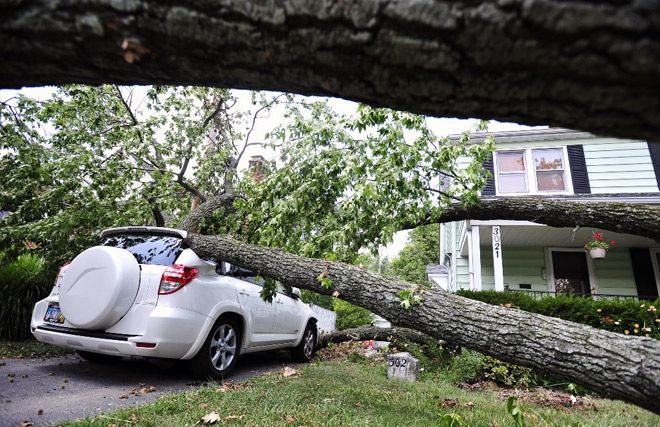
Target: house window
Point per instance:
(549, 165)
(532, 171)
(512, 173)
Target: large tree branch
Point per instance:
(637, 219)
(191, 221)
(615, 365)
(590, 65)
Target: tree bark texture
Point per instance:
(375, 333)
(637, 219)
(589, 65)
(614, 365)
(191, 221)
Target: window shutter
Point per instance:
(489, 189)
(578, 169)
(643, 272)
(654, 151)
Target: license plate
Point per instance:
(54, 314)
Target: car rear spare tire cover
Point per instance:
(99, 287)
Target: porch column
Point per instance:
(497, 258)
(475, 256)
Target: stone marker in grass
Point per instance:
(402, 366)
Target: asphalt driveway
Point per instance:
(46, 391)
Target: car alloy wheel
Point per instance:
(308, 348)
(223, 347)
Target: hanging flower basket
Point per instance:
(597, 246)
(597, 253)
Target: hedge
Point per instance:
(23, 282)
(623, 316)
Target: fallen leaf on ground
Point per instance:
(203, 405)
(142, 390)
(289, 419)
(26, 423)
(40, 412)
(210, 418)
(288, 372)
(469, 405)
(448, 403)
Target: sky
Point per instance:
(440, 126)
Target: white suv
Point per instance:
(141, 293)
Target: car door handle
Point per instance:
(243, 293)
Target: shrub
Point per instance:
(23, 281)
(507, 374)
(628, 317)
(350, 316)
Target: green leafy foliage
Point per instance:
(411, 297)
(421, 250)
(514, 410)
(507, 374)
(23, 281)
(350, 316)
(629, 317)
(357, 179)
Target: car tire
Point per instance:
(219, 354)
(304, 352)
(98, 357)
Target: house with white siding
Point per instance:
(522, 256)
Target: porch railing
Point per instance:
(543, 294)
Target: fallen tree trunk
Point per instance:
(585, 65)
(641, 220)
(374, 333)
(611, 364)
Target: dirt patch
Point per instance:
(339, 351)
(548, 398)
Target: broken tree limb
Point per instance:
(637, 219)
(191, 221)
(375, 333)
(614, 365)
(590, 65)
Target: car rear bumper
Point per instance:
(169, 333)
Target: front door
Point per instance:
(571, 272)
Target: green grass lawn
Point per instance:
(29, 349)
(345, 393)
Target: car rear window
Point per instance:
(155, 249)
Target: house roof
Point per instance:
(526, 135)
(437, 269)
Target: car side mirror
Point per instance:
(295, 293)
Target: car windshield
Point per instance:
(155, 249)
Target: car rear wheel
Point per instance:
(304, 352)
(219, 354)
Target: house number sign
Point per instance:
(497, 242)
(497, 258)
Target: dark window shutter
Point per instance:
(654, 151)
(578, 169)
(489, 189)
(643, 271)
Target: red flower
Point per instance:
(597, 236)
(612, 242)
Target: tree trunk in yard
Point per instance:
(590, 65)
(375, 333)
(637, 219)
(611, 364)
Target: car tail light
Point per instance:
(56, 289)
(176, 277)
